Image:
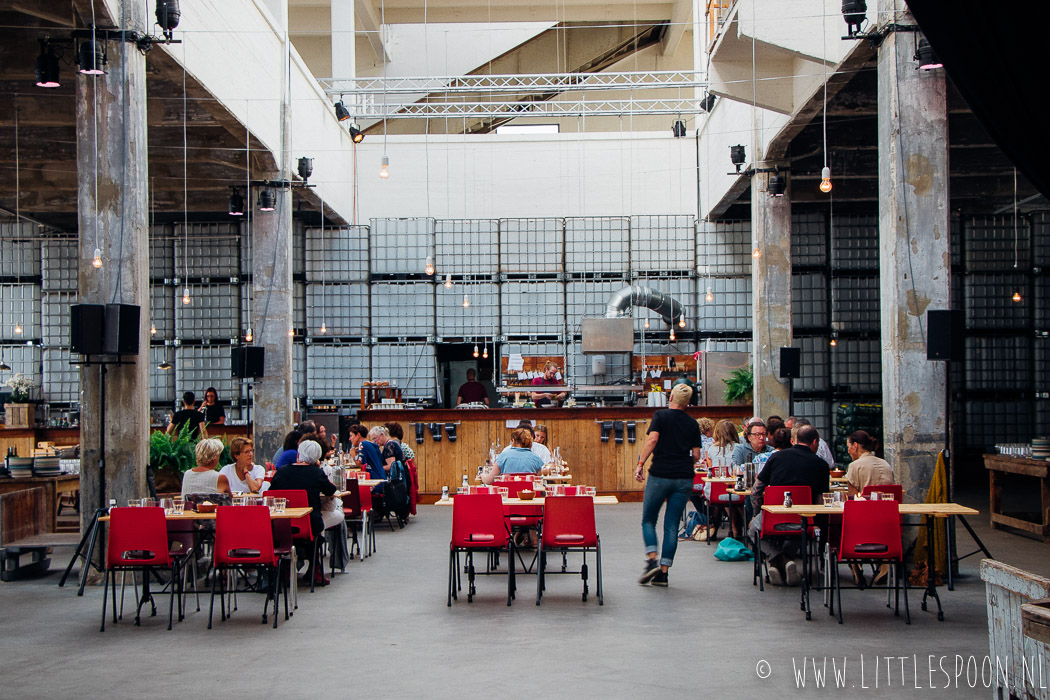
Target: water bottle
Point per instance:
(787, 499)
(466, 483)
(444, 493)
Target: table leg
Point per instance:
(931, 572)
(805, 569)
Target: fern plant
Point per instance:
(740, 385)
(174, 453)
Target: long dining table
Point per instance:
(929, 511)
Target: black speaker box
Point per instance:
(86, 323)
(122, 330)
(790, 363)
(247, 361)
(944, 335)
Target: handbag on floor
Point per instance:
(732, 550)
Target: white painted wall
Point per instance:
(493, 176)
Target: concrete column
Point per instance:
(343, 41)
(914, 256)
(111, 141)
(770, 294)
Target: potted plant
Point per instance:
(20, 413)
(173, 455)
(740, 385)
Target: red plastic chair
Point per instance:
(302, 530)
(244, 538)
(366, 507)
(138, 539)
(478, 526)
(356, 516)
(778, 526)
(719, 496)
(871, 533)
(895, 490)
(569, 526)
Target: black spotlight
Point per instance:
(678, 129)
(341, 112)
(267, 200)
(91, 58)
(738, 156)
(708, 102)
(855, 12)
(236, 203)
(925, 56)
(168, 15)
(777, 185)
(356, 135)
(306, 168)
(47, 67)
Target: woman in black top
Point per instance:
(214, 413)
(674, 442)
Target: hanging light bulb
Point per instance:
(681, 322)
(825, 180)
(429, 268)
(324, 328)
(248, 337)
(384, 168)
(153, 329)
(291, 332)
(709, 297)
(96, 261)
(475, 350)
(485, 352)
(466, 302)
(646, 324)
(671, 337)
(1016, 296)
(833, 342)
(185, 295)
(756, 253)
(448, 280)
(18, 329)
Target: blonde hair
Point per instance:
(725, 433)
(705, 424)
(522, 436)
(207, 452)
(680, 394)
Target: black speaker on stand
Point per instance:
(86, 328)
(246, 362)
(790, 367)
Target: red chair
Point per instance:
(777, 526)
(356, 516)
(720, 496)
(895, 490)
(568, 526)
(138, 539)
(366, 507)
(478, 526)
(871, 533)
(244, 538)
(302, 531)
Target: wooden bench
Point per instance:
(27, 533)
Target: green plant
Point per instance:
(740, 385)
(174, 453)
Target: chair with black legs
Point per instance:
(871, 534)
(569, 526)
(138, 541)
(478, 525)
(244, 539)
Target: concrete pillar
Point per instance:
(770, 294)
(343, 42)
(111, 141)
(914, 256)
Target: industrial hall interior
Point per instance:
(347, 211)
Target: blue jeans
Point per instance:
(676, 493)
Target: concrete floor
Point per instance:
(383, 630)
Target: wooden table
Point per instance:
(54, 485)
(598, 501)
(289, 513)
(928, 510)
(997, 465)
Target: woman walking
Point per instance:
(674, 442)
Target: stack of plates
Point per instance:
(20, 467)
(1041, 448)
(46, 466)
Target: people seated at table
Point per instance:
(754, 445)
(538, 449)
(780, 440)
(306, 474)
(397, 433)
(242, 475)
(289, 451)
(472, 391)
(707, 431)
(866, 469)
(823, 450)
(189, 415)
(773, 424)
(797, 465)
(204, 478)
(718, 454)
(539, 434)
(517, 459)
(368, 453)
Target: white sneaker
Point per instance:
(774, 576)
(791, 574)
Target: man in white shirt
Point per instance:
(539, 450)
(823, 451)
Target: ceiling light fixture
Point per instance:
(671, 336)
(681, 322)
(341, 112)
(925, 55)
(678, 130)
(91, 58)
(776, 185)
(324, 328)
(165, 365)
(96, 260)
(168, 16)
(236, 203)
(267, 200)
(476, 353)
(186, 295)
(448, 280)
(4, 367)
(710, 296)
(825, 179)
(47, 66)
(305, 168)
(356, 135)
(466, 302)
(429, 267)
(153, 329)
(738, 156)
(855, 12)
(248, 337)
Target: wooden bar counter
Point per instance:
(577, 431)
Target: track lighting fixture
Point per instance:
(236, 203)
(777, 185)
(267, 200)
(91, 58)
(855, 12)
(678, 130)
(306, 168)
(356, 135)
(168, 16)
(96, 260)
(341, 112)
(925, 56)
(825, 180)
(47, 67)
(384, 168)
(738, 156)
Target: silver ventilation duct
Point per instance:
(636, 295)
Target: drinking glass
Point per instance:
(874, 496)
(840, 499)
(829, 499)
(279, 504)
(268, 501)
(503, 491)
(177, 506)
(134, 502)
